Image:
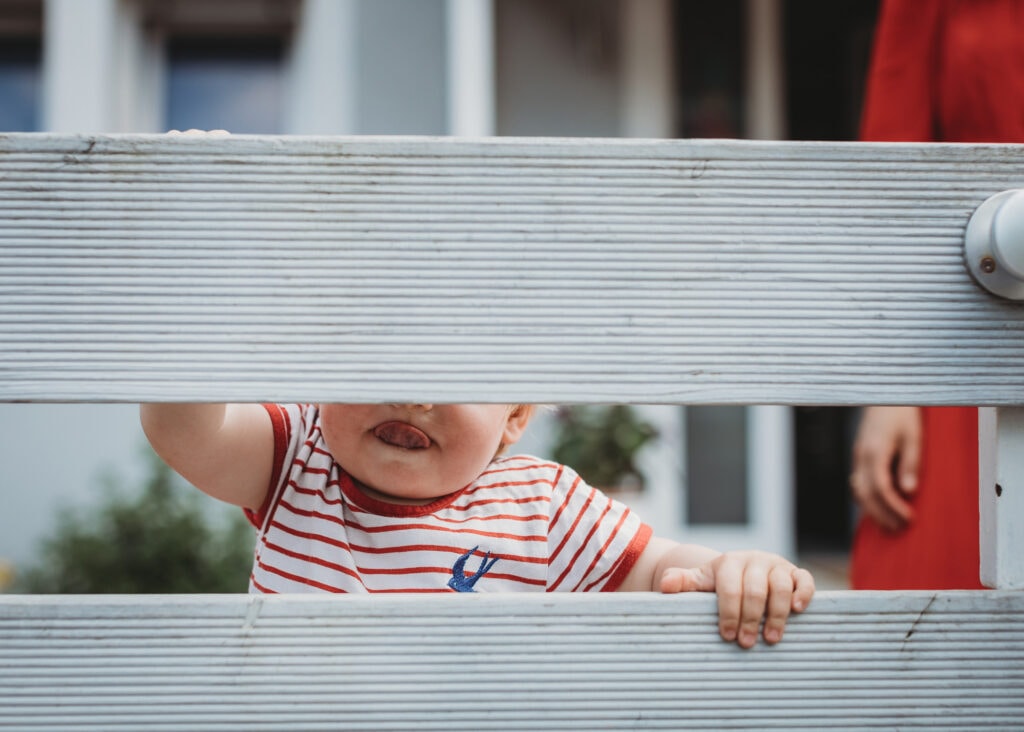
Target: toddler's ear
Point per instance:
(518, 418)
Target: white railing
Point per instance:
(138, 268)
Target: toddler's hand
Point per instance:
(750, 586)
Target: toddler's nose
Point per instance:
(423, 407)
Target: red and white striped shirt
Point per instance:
(525, 524)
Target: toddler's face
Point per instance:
(418, 452)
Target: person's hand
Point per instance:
(750, 585)
(886, 455)
(194, 131)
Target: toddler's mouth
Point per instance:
(402, 434)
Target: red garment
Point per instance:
(941, 71)
(939, 549)
(946, 71)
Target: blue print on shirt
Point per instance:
(459, 581)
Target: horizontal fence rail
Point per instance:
(423, 269)
(950, 660)
(142, 268)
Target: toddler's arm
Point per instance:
(225, 450)
(750, 585)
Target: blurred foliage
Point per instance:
(601, 444)
(162, 539)
(6, 574)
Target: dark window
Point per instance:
(19, 84)
(827, 46)
(824, 515)
(716, 465)
(710, 47)
(234, 84)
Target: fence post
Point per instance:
(1001, 486)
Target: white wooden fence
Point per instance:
(357, 269)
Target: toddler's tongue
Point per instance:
(402, 434)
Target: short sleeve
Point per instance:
(283, 418)
(593, 540)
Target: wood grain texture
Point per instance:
(951, 660)
(513, 270)
(256, 268)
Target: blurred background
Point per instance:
(85, 507)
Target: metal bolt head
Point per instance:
(987, 265)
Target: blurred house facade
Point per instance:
(765, 476)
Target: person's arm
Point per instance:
(750, 585)
(886, 457)
(225, 450)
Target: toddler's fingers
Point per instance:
(729, 587)
(678, 579)
(755, 598)
(803, 583)
(780, 601)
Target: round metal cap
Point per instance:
(994, 244)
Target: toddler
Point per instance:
(421, 498)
